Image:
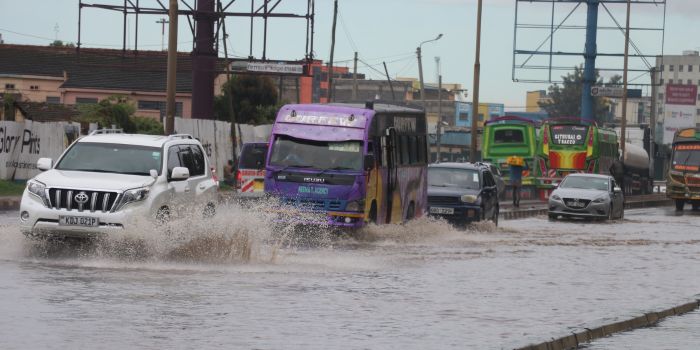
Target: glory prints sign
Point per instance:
(22, 144)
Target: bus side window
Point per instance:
(405, 158)
(384, 160)
(413, 153)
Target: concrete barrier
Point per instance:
(9, 203)
(643, 201)
(581, 337)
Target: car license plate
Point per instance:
(78, 221)
(576, 204)
(438, 210)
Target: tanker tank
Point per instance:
(635, 157)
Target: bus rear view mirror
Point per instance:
(369, 162)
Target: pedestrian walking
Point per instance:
(517, 165)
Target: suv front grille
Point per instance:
(69, 199)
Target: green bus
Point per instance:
(683, 178)
(511, 136)
(571, 145)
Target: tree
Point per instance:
(59, 43)
(565, 99)
(114, 110)
(254, 100)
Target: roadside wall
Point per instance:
(23, 143)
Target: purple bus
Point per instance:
(357, 163)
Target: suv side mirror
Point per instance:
(179, 174)
(368, 162)
(44, 164)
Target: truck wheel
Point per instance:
(680, 203)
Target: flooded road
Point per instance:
(237, 282)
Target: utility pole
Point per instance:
(420, 68)
(652, 125)
(162, 21)
(623, 125)
(330, 65)
(231, 111)
(393, 97)
(354, 79)
(438, 129)
(587, 112)
(172, 70)
(475, 94)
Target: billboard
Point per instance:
(680, 109)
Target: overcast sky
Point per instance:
(389, 30)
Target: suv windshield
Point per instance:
(288, 151)
(253, 156)
(112, 158)
(585, 182)
(686, 157)
(450, 177)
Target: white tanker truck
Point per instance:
(636, 170)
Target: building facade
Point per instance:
(677, 76)
(463, 113)
(533, 100)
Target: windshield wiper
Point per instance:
(340, 167)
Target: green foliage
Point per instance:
(566, 98)
(11, 188)
(255, 100)
(114, 110)
(146, 125)
(8, 106)
(59, 43)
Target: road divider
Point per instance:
(586, 335)
(642, 201)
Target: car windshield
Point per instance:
(585, 182)
(686, 157)
(253, 156)
(112, 158)
(451, 177)
(339, 155)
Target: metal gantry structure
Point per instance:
(550, 51)
(206, 23)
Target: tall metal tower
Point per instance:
(532, 54)
(206, 20)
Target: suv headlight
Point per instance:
(38, 189)
(134, 195)
(469, 198)
(355, 206)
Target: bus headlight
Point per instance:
(355, 206)
(469, 198)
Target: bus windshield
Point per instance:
(686, 157)
(568, 134)
(339, 155)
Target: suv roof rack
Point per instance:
(180, 136)
(106, 131)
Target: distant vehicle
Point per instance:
(104, 181)
(636, 170)
(356, 163)
(588, 196)
(462, 192)
(511, 136)
(683, 178)
(570, 145)
(250, 174)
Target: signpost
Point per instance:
(614, 91)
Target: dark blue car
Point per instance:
(462, 192)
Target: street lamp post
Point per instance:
(420, 68)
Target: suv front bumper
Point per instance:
(37, 220)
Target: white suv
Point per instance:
(103, 181)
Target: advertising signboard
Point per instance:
(680, 109)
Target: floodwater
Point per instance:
(241, 281)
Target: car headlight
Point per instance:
(38, 189)
(599, 200)
(134, 195)
(555, 197)
(355, 206)
(469, 198)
